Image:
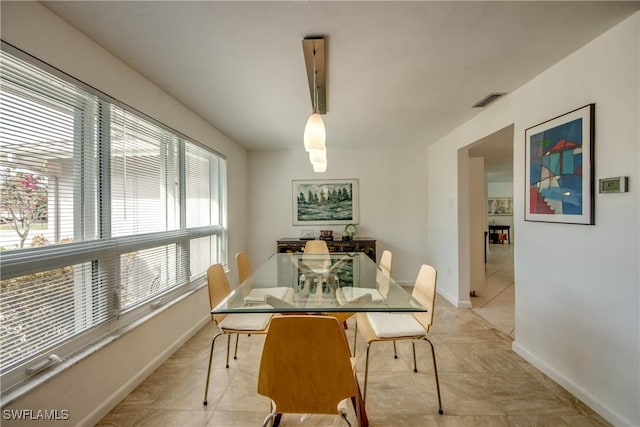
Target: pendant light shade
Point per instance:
(314, 133)
(318, 156)
(318, 159)
(320, 167)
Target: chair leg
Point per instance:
(355, 339)
(235, 352)
(395, 350)
(206, 387)
(366, 376)
(435, 370)
(269, 418)
(344, 417)
(358, 402)
(274, 416)
(415, 364)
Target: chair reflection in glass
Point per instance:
(306, 367)
(229, 324)
(314, 265)
(317, 257)
(378, 326)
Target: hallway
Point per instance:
(497, 303)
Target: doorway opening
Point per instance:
(495, 299)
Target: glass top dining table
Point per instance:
(322, 283)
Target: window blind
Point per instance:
(40, 201)
(144, 176)
(102, 211)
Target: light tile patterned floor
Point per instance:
(483, 384)
(496, 303)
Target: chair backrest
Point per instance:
(385, 262)
(244, 267)
(316, 247)
(219, 288)
(322, 262)
(424, 291)
(306, 366)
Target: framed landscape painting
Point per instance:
(500, 206)
(332, 201)
(559, 169)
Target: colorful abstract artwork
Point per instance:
(559, 168)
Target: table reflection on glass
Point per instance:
(336, 282)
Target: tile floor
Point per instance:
(497, 302)
(483, 382)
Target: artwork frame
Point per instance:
(500, 206)
(343, 209)
(559, 169)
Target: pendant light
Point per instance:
(318, 156)
(320, 167)
(314, 131)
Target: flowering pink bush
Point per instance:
(24, 197)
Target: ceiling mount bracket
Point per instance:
(316, 62)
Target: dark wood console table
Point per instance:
(359, 244)
(496, 230)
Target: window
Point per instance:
(103, 211)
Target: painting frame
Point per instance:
(342, 210)
(559, 169)
(499, 206)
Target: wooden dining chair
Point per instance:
(306, 367)
(320, 247)
(385, 262)
(244, 267)
(229, 324)
(254, 294)
(315, 263)
(375, 327)
(316, 247)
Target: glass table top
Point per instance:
(336, 282)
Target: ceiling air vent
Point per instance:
(488, 99)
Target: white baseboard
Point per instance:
(454, 301)
(101, 411)
(587, 398)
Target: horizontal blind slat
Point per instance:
(73, 160)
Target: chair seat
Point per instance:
(351, 294)
(260, 294)
(245, 322)
(395, 325)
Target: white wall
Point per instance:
(499, 189)
(393, 199)
(91, 387)
(577, 287)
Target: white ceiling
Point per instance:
(398, 72)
